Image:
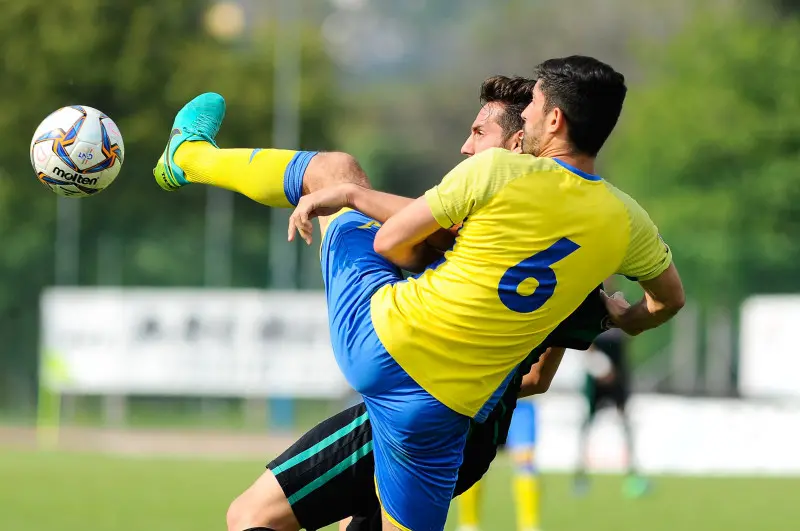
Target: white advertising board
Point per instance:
(769, 350)
(237, 343)
(675, 435)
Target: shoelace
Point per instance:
(204, 123)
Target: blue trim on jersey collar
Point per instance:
(576, 171)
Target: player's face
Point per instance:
(487, 133)
(534, 132)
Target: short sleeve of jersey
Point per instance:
(647, 255)
(467, 187)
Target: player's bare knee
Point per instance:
(236, 515)
(243, 515)
(331, 168)
(262, 505)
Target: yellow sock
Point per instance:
(469, 507)
(266, 176)
(526, 497)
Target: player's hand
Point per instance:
(617, 307)
(321, 203)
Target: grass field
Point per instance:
(74, 492)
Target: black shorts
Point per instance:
(328, 474)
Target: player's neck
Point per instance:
(585, 163)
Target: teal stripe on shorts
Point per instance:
(324, 443)
(330, 474)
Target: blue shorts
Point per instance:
(522, 433)
(418, 441)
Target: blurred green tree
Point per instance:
(138, 61)
(791, 7)
(711, 147)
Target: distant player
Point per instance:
(521, 444)
(432, 353)
(608, 384)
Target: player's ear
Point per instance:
(556, 120)
(514, 143)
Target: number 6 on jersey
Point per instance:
(539, 268)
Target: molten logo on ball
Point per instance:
(74, 177)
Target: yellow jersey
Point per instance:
(537, 237)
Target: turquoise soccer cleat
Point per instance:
(198, 120)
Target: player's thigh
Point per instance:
(353, 272)
(263, 504)
(418, 448)
(328, 474)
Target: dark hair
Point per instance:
(514, 93)
(590, 94)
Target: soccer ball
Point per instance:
(77, 151)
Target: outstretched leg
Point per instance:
(272, 177)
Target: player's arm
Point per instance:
(380, 206)
(539, 378)
(445, 206)
(663, 298)
(409, 221)
(648, 261)
(402, 239)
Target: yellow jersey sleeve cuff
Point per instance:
(437, 208)
(661, 267)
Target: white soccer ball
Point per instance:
(77, 151)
